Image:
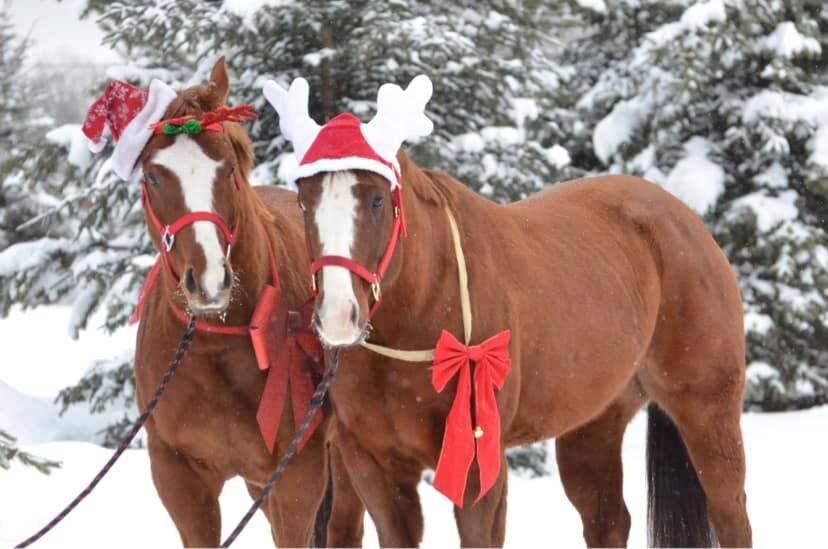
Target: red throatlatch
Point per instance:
(374, 278)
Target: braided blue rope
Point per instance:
(180, 353)
(315, 404)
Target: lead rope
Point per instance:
(427, 355)
(315, 404)
(180, 353)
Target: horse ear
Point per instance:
(219, 82)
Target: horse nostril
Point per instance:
(227, 277)
(354, 314)
(189, 280)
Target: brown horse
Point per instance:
(616, 295)
(205, 431)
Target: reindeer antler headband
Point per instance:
(345, 143)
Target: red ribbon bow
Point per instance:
(460, 438)
(286, 346)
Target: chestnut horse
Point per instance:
(205, 430)
(616, 295)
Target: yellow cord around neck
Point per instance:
(427, 355)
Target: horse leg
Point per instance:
(390, 497)
(189, 491)
(589, 462)
(483, 524)
(345, 527)
(293, 504)
(706, 415)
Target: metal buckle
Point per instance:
(375, 289)
(168, 239)
(313, 284)
(396, 211)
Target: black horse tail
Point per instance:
(676, 504)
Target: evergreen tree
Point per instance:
(19, 122)
(491, 79)
(725, 104)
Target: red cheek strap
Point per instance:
(168, 232)
(374, 278)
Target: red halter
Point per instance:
(168, 231)
(374, 278)
(190, 124)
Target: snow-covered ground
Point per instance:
(787, 454)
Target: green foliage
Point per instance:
(10, 452)
(748, 80)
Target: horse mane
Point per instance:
(435, 187)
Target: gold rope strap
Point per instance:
(427, 355)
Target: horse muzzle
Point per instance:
(209, 293)
(337, 322)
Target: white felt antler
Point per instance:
(400, 116)
(294, 121)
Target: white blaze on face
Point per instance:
(335, 222)
(196, 173)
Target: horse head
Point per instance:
(191, 173)
(348, 178)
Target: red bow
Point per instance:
(459, 441)
(284, 345)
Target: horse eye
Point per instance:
(153, 180)
(377, 202)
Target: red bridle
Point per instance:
(374, 278)
(190, 124)
(169, 231)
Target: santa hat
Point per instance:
(345, 143)
(129, 113)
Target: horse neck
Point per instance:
(427, 257)
(266, 238)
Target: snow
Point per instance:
(794, 108)
(784, 460)
(41, 370)
(524, 109)
(71, 138)
(558, 156)
(26, 255)
(695, 179)
(757, 322)
(695, 17)
(618, 127)
(774, 177)
(769, 210)
(786, 41)
(702, 14)
(597, 6)
(758, 370)
(248, 8)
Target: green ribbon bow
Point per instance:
(192, 127)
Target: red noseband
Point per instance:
(168, 232)
(374, 278)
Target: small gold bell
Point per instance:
(478, 431)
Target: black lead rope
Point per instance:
(315, 403)
(180, 353)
